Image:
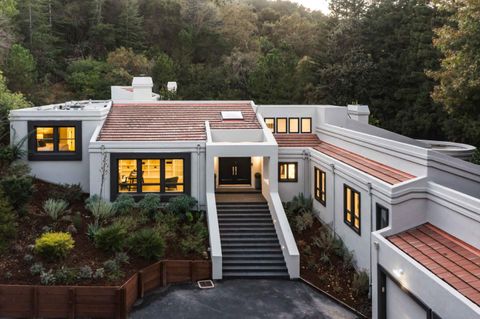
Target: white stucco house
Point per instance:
(408, 209)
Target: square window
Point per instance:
(287, 172)
(45, 139)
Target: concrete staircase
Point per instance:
(250, 246)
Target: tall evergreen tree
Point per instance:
(130, 32)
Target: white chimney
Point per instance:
(172, 87)
(358, 112)
(142, 88)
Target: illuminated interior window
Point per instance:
(352, 213)
(66, 139)
(293, 125)
(174, 179)
(287, 172)
(151, 175)
(270, 122)
(320, 186)
(45, 139)
(306, 125)
(127, 176)
(281, 125)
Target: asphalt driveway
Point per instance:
(242, 298)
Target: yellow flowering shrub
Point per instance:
(54, 245)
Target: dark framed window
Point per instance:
(320, 186)
(306, 125)
(270, 122)
(288, 172)
(55, 140)
(281, 126)
(382, 217)
(352, 208)
(139, 174)
(294, 125)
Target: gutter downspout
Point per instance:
(198, 177)
(306, 169)
(370, 239)
(334, 199)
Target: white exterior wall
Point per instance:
(397, 299)
(70, 172)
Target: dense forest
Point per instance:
(416, 63)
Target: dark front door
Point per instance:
(235, 170)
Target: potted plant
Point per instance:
(258, 180)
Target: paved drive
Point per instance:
(242, 298)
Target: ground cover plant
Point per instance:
(57, 235)
(324, 259)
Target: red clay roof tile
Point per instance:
(167, 121)
(381, 171)
(448, 257)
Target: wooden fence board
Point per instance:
(18, 301)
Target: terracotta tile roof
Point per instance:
(297, 140)
(451, 259)
(381, 171)
(166, 121)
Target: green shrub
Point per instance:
(193, 238)
(360, 283)
(111, 238)
(70, 193)
(65, 276)
(122, 258)
(181, 205)
(299, 205)
(92, 230)
(54, 245)
(48, 278)
(100, 209)
(85, 272)
(99, 273)
(112, 269)
(124, 204)
(147, 244)
(77, 220)
(130, 223)
(150, 205)
(303, 221)
(36, 269)
(8, 223)
(55, 208)
(167, 225)
(17, 190)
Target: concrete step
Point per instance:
(243, 211)
(252, 257)
(251, 250)
(243, 235)
(243, 218)
(253, 262)
(226, 225)
(270, 239)
(247, 229)
(257, 268)
(255, 274)
(249, 245)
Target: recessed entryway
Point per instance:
(235, 171)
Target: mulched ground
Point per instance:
(84, 253)
(331, 278)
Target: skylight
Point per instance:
(232, 115)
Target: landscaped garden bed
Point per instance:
(325, 261)
(56, 235)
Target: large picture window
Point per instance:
(54, 140)
(320, 186)
(352, 206)
(293, 125)
(151, 173)
(287, 172)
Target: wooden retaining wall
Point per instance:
(23, 301)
